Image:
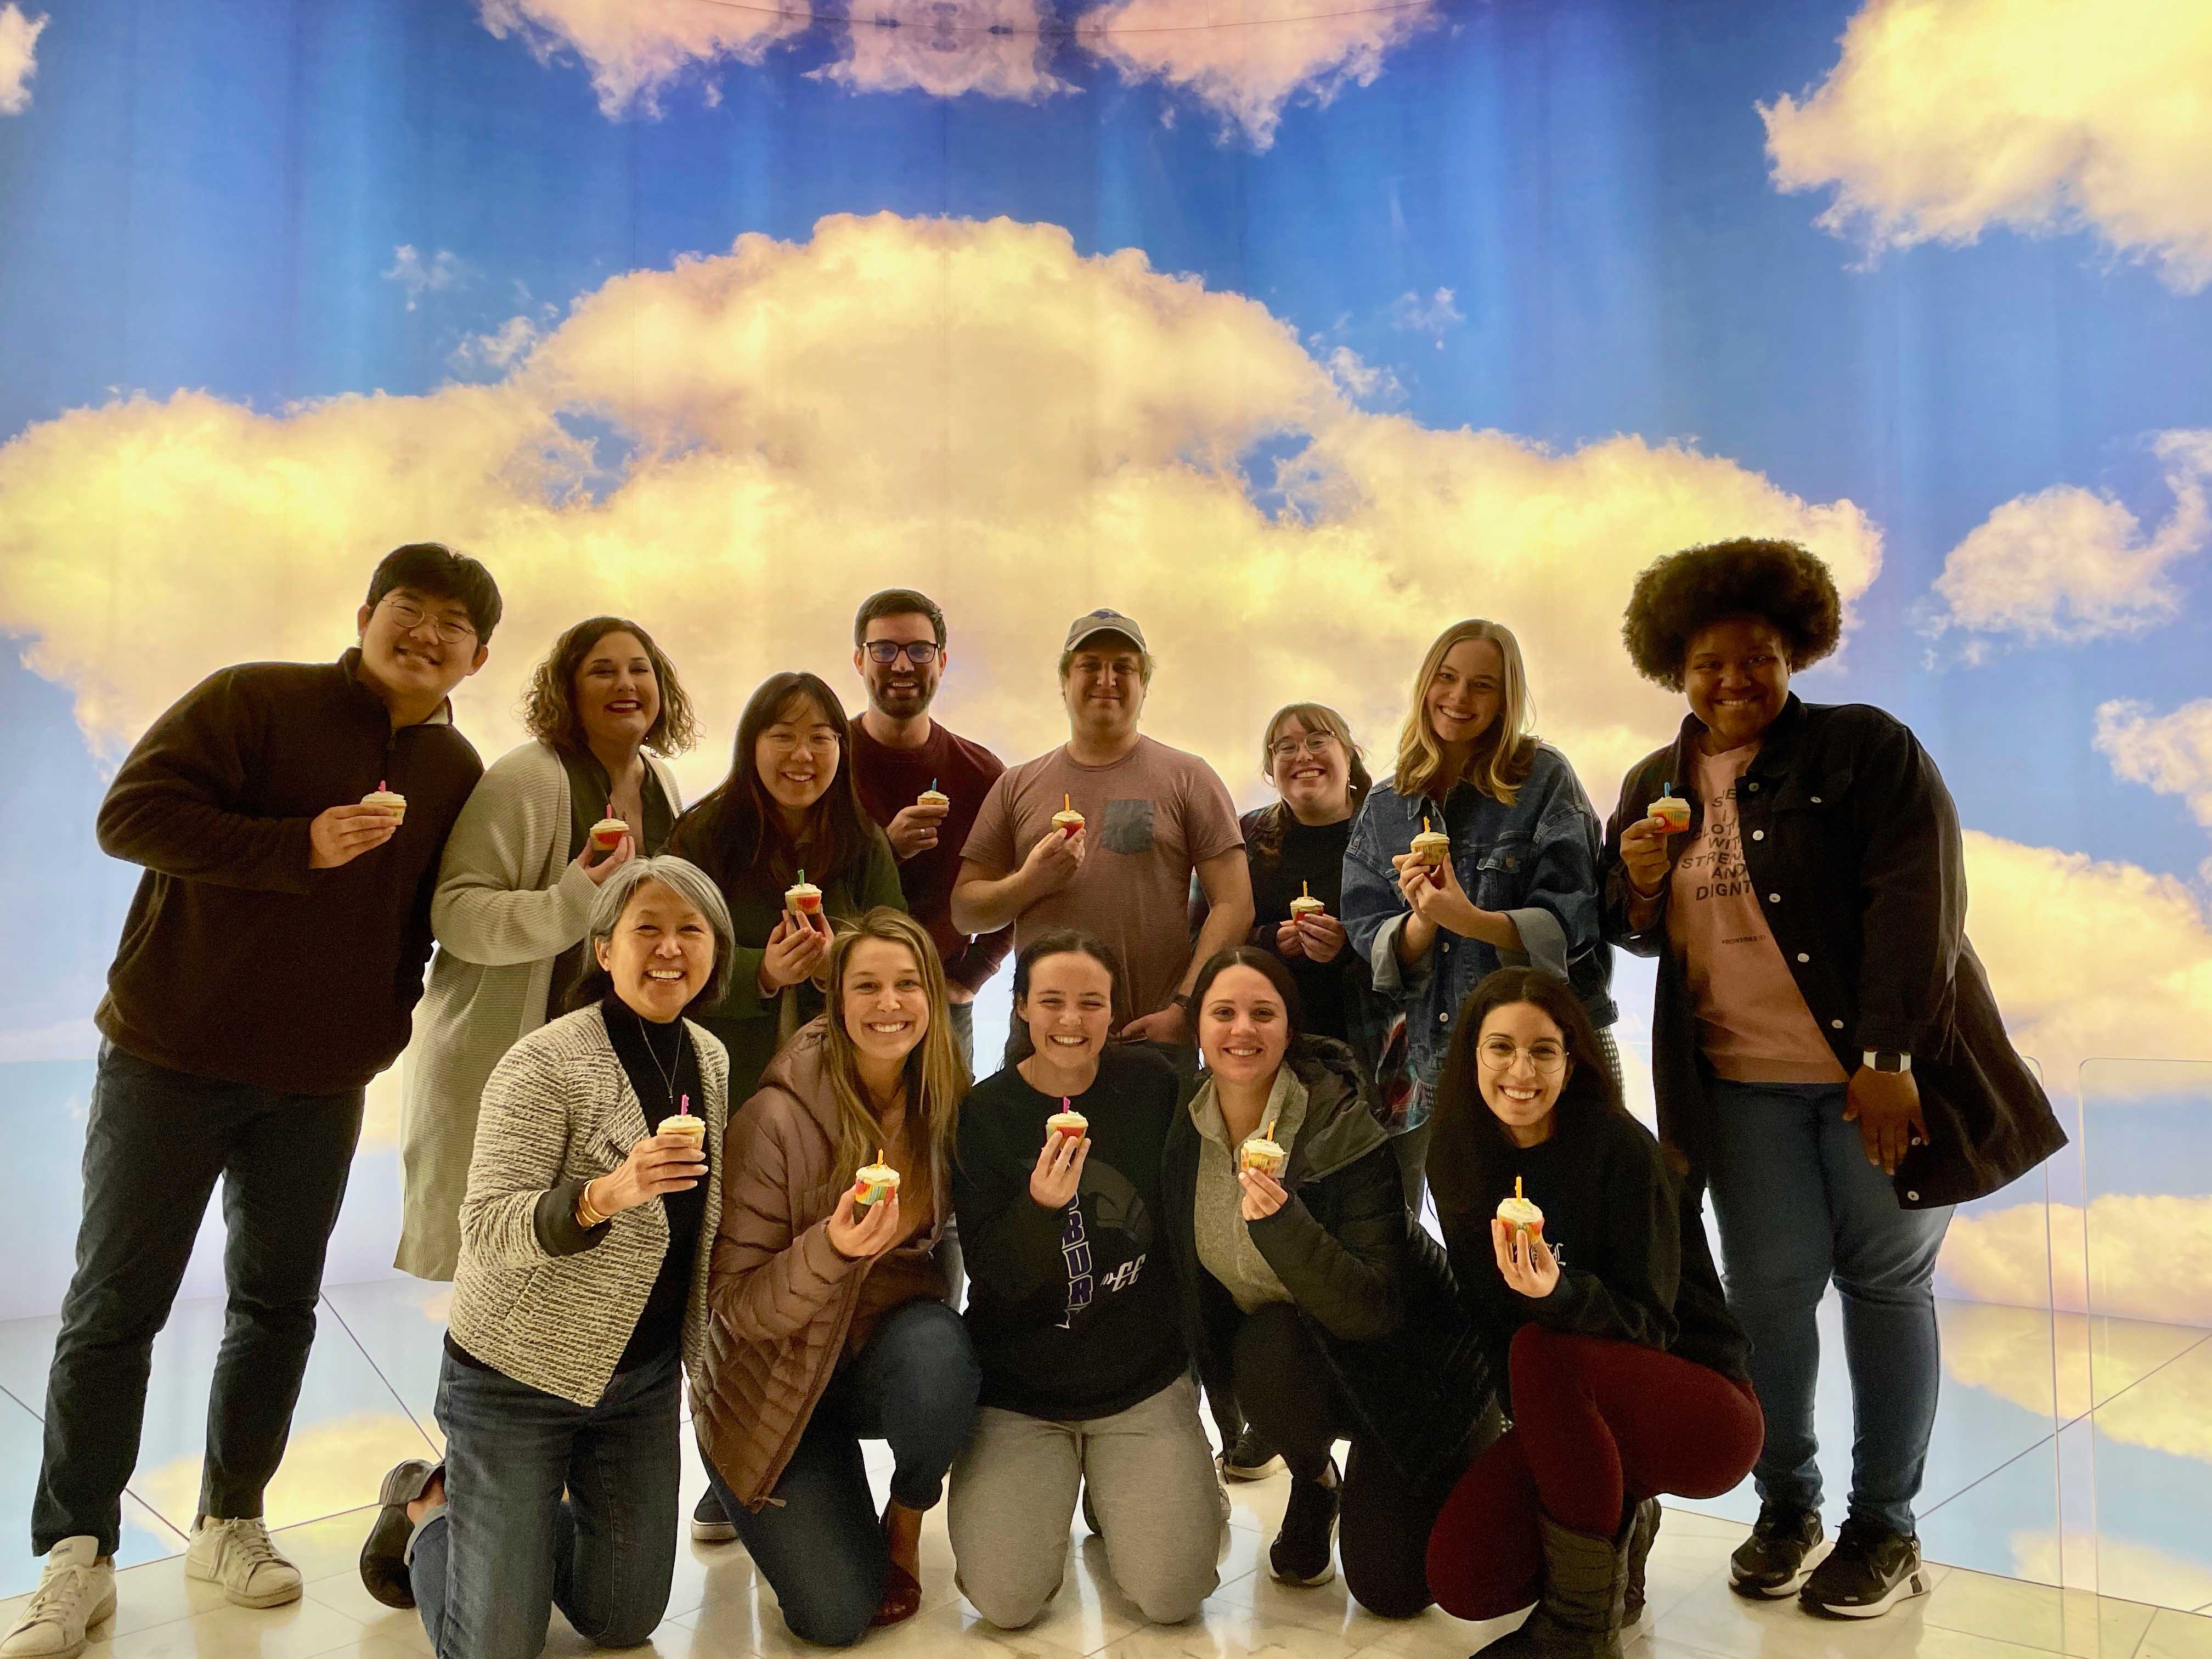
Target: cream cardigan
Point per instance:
(508, 903)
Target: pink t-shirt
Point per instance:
(1151, 818)
(1753, 1022)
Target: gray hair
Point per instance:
(688, 883)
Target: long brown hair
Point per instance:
(935, 1079)
(1502, 755)
(1471, 1155)
(548, 708)
(1272, 820)
(735, 831)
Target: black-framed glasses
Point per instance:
(1498, 1054)
(1313, 743)
(919, 653)
(410, 616)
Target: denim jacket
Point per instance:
(1535, 861)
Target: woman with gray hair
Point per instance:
(580, 1299)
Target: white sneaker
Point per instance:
(238, 1555)
(76, 1590)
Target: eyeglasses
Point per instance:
(1314, 742)
(1498, 1054)
(919, 653)
(410, 616)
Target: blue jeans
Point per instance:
(490, 1568)
(1798, 1205)
(157, 1142)
(818, 1542)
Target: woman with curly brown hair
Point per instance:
(1825, 1049)
(515, 895)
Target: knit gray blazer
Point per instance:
(559, 1106)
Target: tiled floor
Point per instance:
(720, 1608)
(2070, 1451)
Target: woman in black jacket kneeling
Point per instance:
(1587, 1270)
(1310, 1294)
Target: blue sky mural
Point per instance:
(1300, 341)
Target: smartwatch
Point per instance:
(1886, 1060)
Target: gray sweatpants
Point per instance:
(1161, 1509)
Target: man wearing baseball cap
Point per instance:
(1151, 817)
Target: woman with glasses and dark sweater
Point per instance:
(1601, 1307)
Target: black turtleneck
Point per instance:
(662, 1062)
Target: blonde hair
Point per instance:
(935, 1079)
(1503, 754)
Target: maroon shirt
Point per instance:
(889, 779)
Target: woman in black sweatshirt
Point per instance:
(1072, 1306)
(1624, 1370)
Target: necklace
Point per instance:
(667, 1073)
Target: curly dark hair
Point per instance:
(549, 701)
(1778, 582)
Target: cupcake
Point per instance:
(387, 800)
(933, 796)
(1067, 1122)
(1067, 820)
(803, 897)
(1431, 846)
(1674, 809)
(1521, 1215)
(873, 1181)
(1305, 905)
(684, 1124)
(1263, 1156)
(607, 833)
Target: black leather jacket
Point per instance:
(1853, 844)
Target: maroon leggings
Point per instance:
(1597, 1423)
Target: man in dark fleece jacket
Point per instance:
(268, 969)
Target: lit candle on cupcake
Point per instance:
(1431, 846)
(1305, 905)
(388, 800)
(1522, 1215)
(874, 1182)
(1067, 820)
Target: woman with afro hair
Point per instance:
(1825, 1050)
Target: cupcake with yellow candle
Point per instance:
(1431, 846)
(1520, 1215)
(874, 1182)
(1067, 820)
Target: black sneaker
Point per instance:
(1870, 1571)
(1250, 1458)
(1302, 1552)
(1777, 1558)
(709, 1525)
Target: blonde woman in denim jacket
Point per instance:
(1519, 887)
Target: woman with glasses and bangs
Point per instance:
(1519, 882)
(1622, 1370)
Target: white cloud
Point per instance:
(19, 56)
(2129, 1256)
(947, 402)
(2068, 564)
(504, 347)
(946, 48)
(1432, 316)
(633, 52)
(419, 276)
(2133, 977)
(1249, 58)
(1944, 118)
(2115, 1569)
(2172, 753)
(67, 1039)
(1361, 379)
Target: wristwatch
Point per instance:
(1886, 1060)
(1180, 999)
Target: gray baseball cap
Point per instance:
(1104, 622)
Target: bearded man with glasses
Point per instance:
(924, 784)
(269, 968)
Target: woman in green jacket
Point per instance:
(786, 813)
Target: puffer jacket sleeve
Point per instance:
(523, 1131)
(773, 1272)
(1351, 1279)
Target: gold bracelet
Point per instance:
(586, 1217)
